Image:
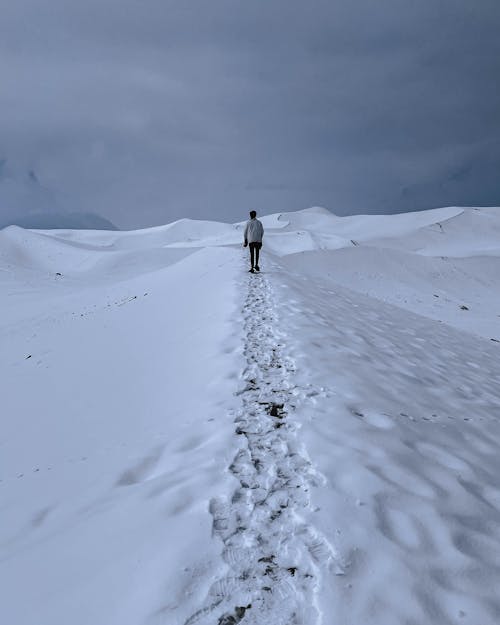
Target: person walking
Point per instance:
(254, 231)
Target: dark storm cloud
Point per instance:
(148, 111)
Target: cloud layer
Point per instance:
(148, 111)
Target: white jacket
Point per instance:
(254, 231)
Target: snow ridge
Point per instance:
(275, 558)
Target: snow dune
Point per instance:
(182, 440)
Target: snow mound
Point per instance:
(319, 229)
(442, 263)
(182, 232)
(34, 250)
(470, 232)
(94, 255)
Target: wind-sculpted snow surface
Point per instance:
(406, 434)
(275, 557)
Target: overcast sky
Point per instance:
(147, 111)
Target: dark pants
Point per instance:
(254, 253)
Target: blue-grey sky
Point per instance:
(147, 111)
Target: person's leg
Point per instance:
(257, 248)
(252, 250)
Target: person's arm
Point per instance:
(245, 234)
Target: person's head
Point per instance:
(253, 214)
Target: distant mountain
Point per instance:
(27, 202)
(58, 220)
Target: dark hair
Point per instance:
(253, 214)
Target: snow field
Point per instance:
(115, 430)
(184, 443)
(406, 432)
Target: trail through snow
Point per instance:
(275, 558)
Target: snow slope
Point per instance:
(184, 443)
(115, 419)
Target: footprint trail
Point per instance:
(275, 559)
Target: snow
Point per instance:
(182, 440)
